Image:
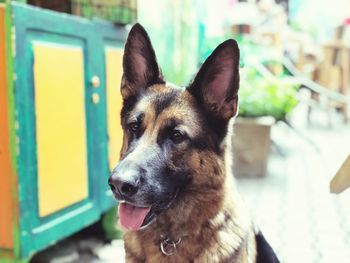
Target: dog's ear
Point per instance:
(216, 84)
(139, 63)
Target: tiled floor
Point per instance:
(292, 204)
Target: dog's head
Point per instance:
(172, 136)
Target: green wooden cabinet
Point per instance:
(64, 70)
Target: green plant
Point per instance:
(260, 96)
(110, 225)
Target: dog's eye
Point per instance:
(133, 127)
(177, 136)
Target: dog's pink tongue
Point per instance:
(131, 217)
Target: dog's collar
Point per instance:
(168, 246)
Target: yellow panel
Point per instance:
(60, 126)
(114, 73)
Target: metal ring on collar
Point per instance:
(168, 246)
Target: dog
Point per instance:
(177, 197)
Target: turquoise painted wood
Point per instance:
(110, 36)
(33, 24)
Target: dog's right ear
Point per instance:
(139, 63)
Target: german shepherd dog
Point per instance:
(177, 197)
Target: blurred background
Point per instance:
(60, 71)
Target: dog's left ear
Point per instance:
(216, 84)
(140, 65)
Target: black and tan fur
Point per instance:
(174, 152)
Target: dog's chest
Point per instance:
(189, 250)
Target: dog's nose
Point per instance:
(123, 186)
